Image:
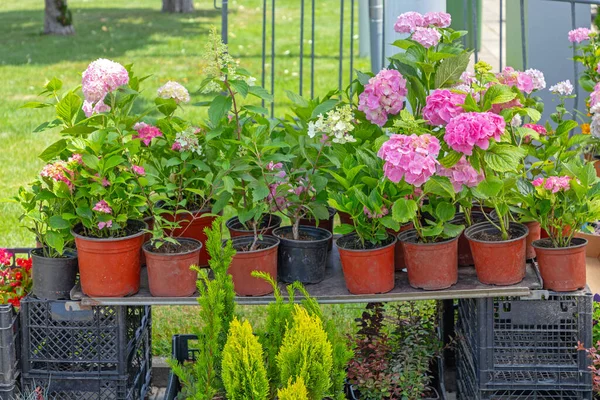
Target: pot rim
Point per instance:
(410, 231)
(472, 227)
(577, 246)
(247, 238)
(393, 243)
(300, 228)
(184, 239)
(236, 218)
(119, 239)
(68, 254)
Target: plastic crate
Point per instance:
(183, 351)
(10, 346)
(517, 344)
(94, 386)
(9, 392)
(61, 336)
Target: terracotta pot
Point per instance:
(345, 218)
(563, 269)
(501, 262)
(147, 236)
(367, 271)
(245, 262)
(399, 263)
(110, 267)
(465, 258)
(535, 231)
(323, 224)
(597, 166)
(169, 274)
(192, 226)
(430, 266)
(269, 222)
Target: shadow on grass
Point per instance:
(99, 32)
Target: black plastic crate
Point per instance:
(526, 344)
(182, 350)
(62, 336)
(95, 386)
(9, 392)
(10, 352)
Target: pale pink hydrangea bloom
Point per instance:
(59, 172)
(271, 166)
(442, 105)
(90, 108)
(595, 99)
(175, 91)
(579, 35)
(538, 128)
(553, 183)
(595, 125)
(468, 130)
(468, 78)
(427, 37)
(102, 207)
(146, 132)
(107, 224)
(438, 19)
(461, 173)
(100, 78)
(564, 88)
(368, 213)
(537, 77)
(75, 159)
(138, 170)
(413, 158)
(383, 95)
(521, 80)
(409, 22)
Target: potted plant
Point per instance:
(104, 189)
(562, 204)
(47, 213)
(15, 279)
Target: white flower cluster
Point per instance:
(564, 88)
(337, 124)
(537, 76)
(175, 91)
(187, 141)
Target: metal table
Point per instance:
(332, 290)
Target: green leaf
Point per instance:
(452, 230)
(323, 107)
(296, 99)
(219, 108)
(84, 212)
(228, 184)
(90, 160)
(566, 126)
(504, 157)
(490, 187)
(534, 114)
(256, 109)
(445, 211)
(36, 104)
(404, 210)
(260, 93)
(68, 107)
(390, 223)
(587, 83)
(450, 159)
(363, 78)
(343, 229)
(432, 231)
(57, 222)
(53, 150)
(320, 212)
(112, 162)
(240, 86)
(450, 69)
(79, 130)
(166, 106)
(403, 43)
(55, 240)
(261, 191)
(440, 186)
(54, 85)
(498, 94)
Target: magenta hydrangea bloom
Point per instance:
(146, 132)
(427, 37)
(413, 158)
(468, 130)
(442, 105)
(383, 95)
(461, 173)
(107, 224)
(100, 78)
(537, 182)
(409, 22)
(579, 35)
(438, 19)
(102, 207)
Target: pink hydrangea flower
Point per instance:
(510, 77)
(442, 105)
(537, 77)
(107, 224)
(497, 108)
(271, 166)
(409, 22)
(383, 95)
(461, 173)
(537, 182)
(468, 78)
(146, 132)
(468, 130)
(595, 99)
(138, 170)
(100, 78)
(368, 213)
(75, 159)
(90, 108)
(413, 158)
(102, 207)
(538, 128)
(579, 35)
(554, 184)
(59, 172)
(427, 37)
(438, 19)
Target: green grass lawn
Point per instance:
(167, 46)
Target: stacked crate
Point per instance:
(516, 348)
(72, 352)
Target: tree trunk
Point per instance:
(57, 20)
(178, 6)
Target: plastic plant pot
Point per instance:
(563, 269)
(245, 262)
(465, 258)
(324, 224)
(53, 278)
(269, 222)
(399, 263)
(192, 225)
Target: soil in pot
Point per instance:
(169, 273)
(430, 266)
(498, 261)
(53, 278)
(110, 267)
(563, 269)
(192, 226)
(465, 258)
(368, 269)
(263, 258)
(302, 260)
(268, 223)
(324, 224)
(535, 233)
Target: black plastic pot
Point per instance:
(53, 278)
(325, 224)
(302, 260)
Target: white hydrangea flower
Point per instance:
(537, 76)
(595, 126)
(175, 91)
(564, 88)
(337, 125)
(516, 121)
(187, 141)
